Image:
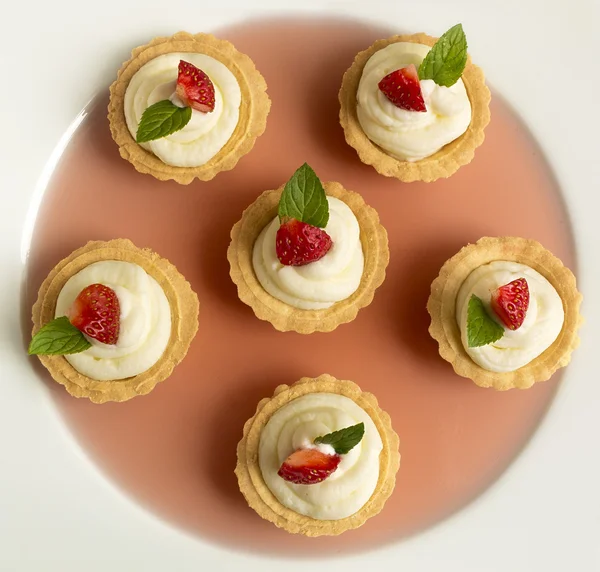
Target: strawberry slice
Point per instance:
(308, 466)
(298, 243)
(194, 88)
(97, 313)
(403, 89)
(510, 302)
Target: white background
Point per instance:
(58, 513)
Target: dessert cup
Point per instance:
(183, 304)
(282, 316)
(442, 309)
(253, 485)
(441, 164)
(253, 111)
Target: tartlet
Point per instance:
(253, 111)
(441, 164)
(282, 316)
(182, 300)
(442, 309)
(262, 500)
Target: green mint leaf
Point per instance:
(162, 119)
(446, 61)
(344, 440)
(304, 198)
(481, 329)
(58, 337)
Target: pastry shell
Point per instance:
(262, 500)
(184, 319)
(442, 309)
(282, 316)
(441, 164)
(254, 107)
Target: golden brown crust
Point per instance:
(284, 317)
(184, 319)
(258, 495)
(254, 107)
(442, 309)
(441, 164)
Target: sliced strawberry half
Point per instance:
(194, 88)
(298, 243)
(308, 467)
(510, 302)
(403, 89)
(97, 313)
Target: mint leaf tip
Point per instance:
(161, 119)
(481, 328)
(304, 199)
(344, 440)
(446, 61)
(58, 337)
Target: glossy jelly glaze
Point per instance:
(173, 451)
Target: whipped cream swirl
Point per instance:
(543, 320)
(319, 284)
(145, 321)
(206, 133)
(295, 426)
(410, 135)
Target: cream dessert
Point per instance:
(320, 284)
(112, 320)
(405, 134)
(187, 107)
(296, 426)
(206, 132)
(541, 322)
(319, 457)
(505, 312)
(308, 256)
(415, 107)
(144, 319)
